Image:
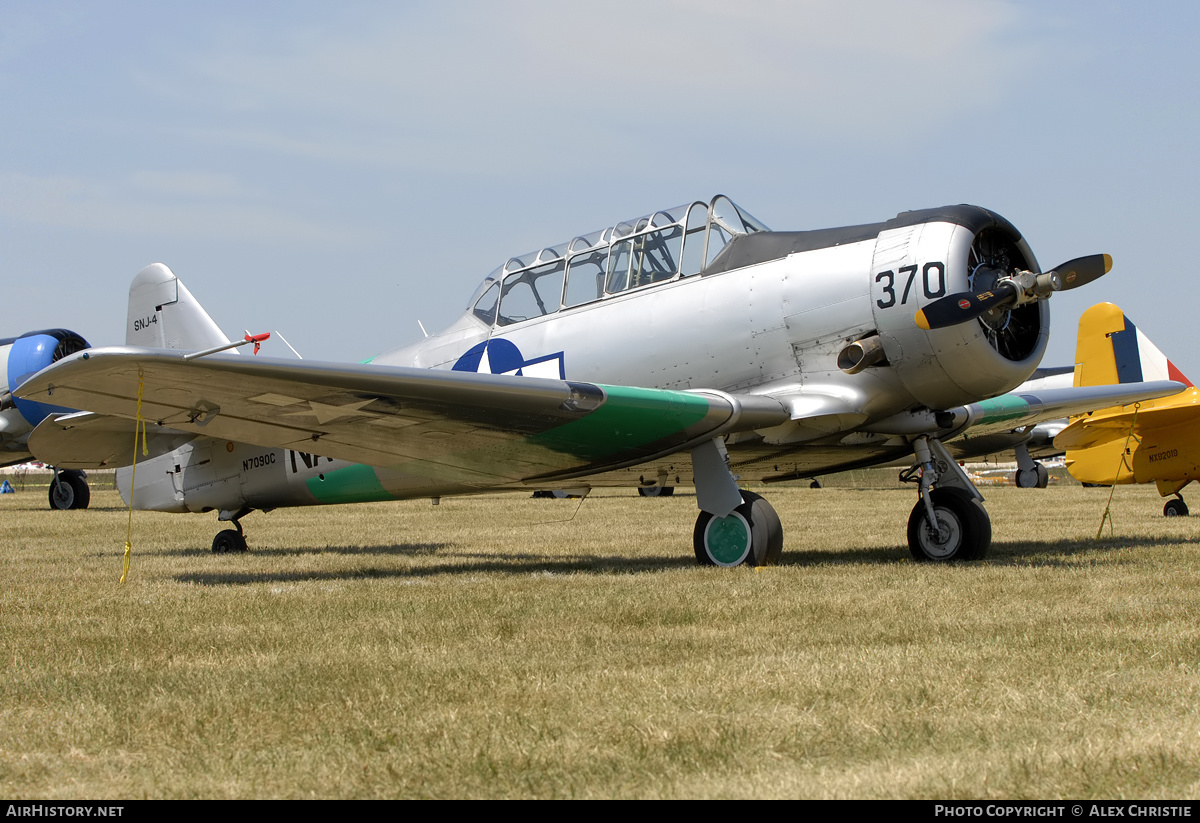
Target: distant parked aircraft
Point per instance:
(1151, 441)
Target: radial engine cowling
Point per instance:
(921, 256)
(21, 358)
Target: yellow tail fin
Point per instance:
(1110, 349)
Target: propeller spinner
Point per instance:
(1022, 287)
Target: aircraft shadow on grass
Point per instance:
(1060, 552)
(503, 563)
(1016, 553)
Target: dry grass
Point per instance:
(474, 649)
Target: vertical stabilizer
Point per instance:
(1110, 349)
(164, 315)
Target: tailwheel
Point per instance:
(964, 530)
(749, 535)
(229, 541)
(1175, 508)
(656, 491)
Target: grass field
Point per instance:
(509, 647)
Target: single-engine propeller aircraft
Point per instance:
(1151, 441)
(691, 346)
(20, 358)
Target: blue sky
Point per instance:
(338, 172)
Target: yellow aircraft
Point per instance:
(1152, 441)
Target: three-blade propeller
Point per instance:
(959, 308)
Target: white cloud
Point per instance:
(471, 86)
(161, 204)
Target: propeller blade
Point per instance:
(1083, 270)
(959, 308)
(964, 306)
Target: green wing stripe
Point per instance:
(630, 419)
(999, 409)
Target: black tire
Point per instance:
(750, 535)
(1175, 508)
(1025, 479)
(656, 491)
(70, 491)
(965, 530)
(1036, 478)
(815, 484)
(228, 541)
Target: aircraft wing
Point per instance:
(480, 430)
(1028, 408)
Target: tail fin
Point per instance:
(164, 315)
(1110, 349)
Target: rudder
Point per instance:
(163, 314)
(1110, 349)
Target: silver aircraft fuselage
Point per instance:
(700, 297)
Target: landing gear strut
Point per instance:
(963, 530)
(948, 522)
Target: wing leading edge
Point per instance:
(1029, 408)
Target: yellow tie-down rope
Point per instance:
(1123, 464)
(139, 427)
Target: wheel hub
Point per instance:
(728, 539)
(944, 540)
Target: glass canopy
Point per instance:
(633, 254)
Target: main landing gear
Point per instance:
(1036, 478)
(1030, 474)
(1175, 508)
(948, 522)
(735, 527)
(751, 534)
(69, 490)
